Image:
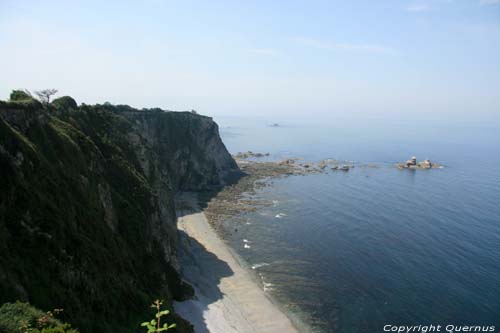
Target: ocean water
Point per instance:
(354, 251)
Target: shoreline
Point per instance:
(233, 200)
(201, 217)
(229, 298)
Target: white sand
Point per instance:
(229, 300)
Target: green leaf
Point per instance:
(172, 326)
(145, 323)
(164, 312)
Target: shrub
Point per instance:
(155, 326)
(20, 96)
(65, 102)
(21, 317)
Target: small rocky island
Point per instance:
(413, 164)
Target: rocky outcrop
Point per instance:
(87, 216)
(249, 154)
(188, 145)
(413, 164)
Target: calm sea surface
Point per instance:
(354, 251)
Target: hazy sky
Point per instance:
(236, 57)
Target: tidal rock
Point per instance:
(413, 164)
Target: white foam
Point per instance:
(280, 215)
(246, 246)
(267, 286)
(275, 203)
(260, 265)
(246, 241)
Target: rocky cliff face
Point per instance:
(87, 216)
(188, 145)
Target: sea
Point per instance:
(374, 246)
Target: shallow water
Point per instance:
(354, 251)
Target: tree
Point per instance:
(20, 95)
(44, 95)
(65, 102)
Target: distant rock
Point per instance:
(413, 164)
(275, 125)
(426, 164)
(288, 161)
(341, 168)
(248, 154)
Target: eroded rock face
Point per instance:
(188, 146)
(87, 216)
(178, 151)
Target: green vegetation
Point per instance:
(20, 96)
(79, 217)
(65, 103)
(21, 317)
(155, 326)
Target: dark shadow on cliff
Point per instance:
(204, 197)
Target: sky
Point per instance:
(258, 57)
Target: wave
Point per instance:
(262, 264)
(267, 286)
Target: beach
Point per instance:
(228, 298)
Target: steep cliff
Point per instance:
(87, 216)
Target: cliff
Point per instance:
(87, 216)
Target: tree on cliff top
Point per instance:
(44, 95)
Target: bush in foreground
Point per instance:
(155, 326)
(21, 317)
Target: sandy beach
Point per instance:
(228, 298)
